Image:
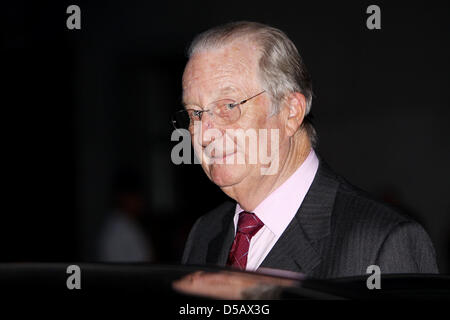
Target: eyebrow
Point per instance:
(225, 90)
(228, 89)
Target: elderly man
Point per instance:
(291, 212)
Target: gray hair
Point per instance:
(281, 67)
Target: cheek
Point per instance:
(276, 122)
(197, 148)
(258, 117)
(195, 144)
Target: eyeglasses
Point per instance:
(224, 112)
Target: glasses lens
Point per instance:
(226, 112)
(181, 119)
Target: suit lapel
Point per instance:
(220, 246)
(295, 250)
(292, 251)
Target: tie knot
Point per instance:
(249, 223)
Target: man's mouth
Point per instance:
(221, 157)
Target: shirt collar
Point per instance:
(279, 208)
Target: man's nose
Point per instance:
(207, 124)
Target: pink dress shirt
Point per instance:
(278, 209)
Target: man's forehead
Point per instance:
(223, 70)
(235, 57)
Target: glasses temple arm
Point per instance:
(244, 101)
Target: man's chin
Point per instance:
(226, 175)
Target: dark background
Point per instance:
(82, 105)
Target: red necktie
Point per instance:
(248, 226)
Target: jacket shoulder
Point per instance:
(364, 229)
(206, 228)
(356, 208)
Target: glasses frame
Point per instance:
(233, 105)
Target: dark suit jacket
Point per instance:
(338, 231)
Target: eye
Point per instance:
(230, 106)
(223, 107)
(197, 113)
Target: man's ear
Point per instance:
(296, 109)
